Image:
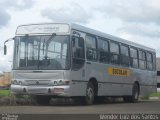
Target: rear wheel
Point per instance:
(135, 94)
(90, 93)
(42, 100)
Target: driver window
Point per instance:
(77, 47)
(77, 53)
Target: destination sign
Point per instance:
(42, 29)
(119, 71)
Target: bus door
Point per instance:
(78, 58)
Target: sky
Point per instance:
(134, 20)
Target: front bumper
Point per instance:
(41, 90)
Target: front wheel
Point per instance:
(90, 94)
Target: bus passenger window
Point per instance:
(154, 61)
(103, 51)
(91, 48)
(134, 57)
(114, 50)
(125, 55)
(149, 61)
(142, 60)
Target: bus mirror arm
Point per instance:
(5, 46)
(5, 49)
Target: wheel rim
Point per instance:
(90, 94)
(136, 95)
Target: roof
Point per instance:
(102, 34)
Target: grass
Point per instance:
(157, 94)
(4, 92)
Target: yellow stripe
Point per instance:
(119, 71)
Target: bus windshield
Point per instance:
(41, 52)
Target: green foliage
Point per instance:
(4, 92)
(157, 94)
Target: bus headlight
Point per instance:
(55, 83)
(64, 82)
(60, 82)
(15, 82)
(20, 82)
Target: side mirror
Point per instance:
(5, 49)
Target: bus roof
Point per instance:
(91, 31)
(104, 35)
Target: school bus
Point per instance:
(70, 60)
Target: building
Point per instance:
(5, 79)
(158, 72)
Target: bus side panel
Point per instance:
(111, 85)
(79, 84)
(149, 85)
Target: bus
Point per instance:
(72, 61)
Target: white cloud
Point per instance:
(140, 20)
(150, 31)
(18, 4)
(5, 17)
(134, 20)
(143, 11)
(5, 5)
(76, 13)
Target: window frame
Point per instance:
(152, 61)
(133, 58)
(93, 49)
(122, 55)
(103, 51)
(113, 53)
(142, 59)
(74, 59)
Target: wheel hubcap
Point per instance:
(136, 95)
(90, 94)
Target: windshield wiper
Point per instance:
(45, 41)
(44, 44)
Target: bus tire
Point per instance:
(42, 100)
(90, 94)
(135, 95)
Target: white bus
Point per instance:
(69, 60)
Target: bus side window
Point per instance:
(77, 47)
(91, 48)
(134, 57)
(149, 61)
(142, 59)
(154, 61)
(114, 53)
(125, 61)
(103, 48)
(78, 54)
